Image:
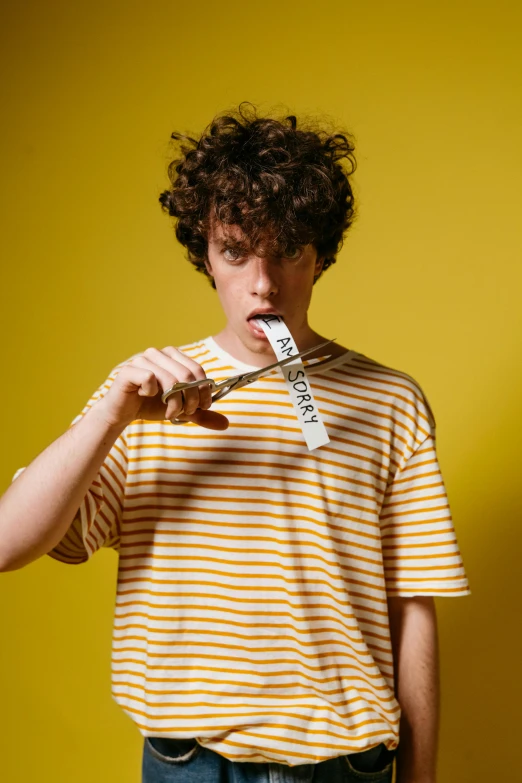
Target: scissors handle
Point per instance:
(179, 387)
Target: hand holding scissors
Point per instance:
(136, 391)
(222, 388)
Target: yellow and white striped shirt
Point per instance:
(253, 574)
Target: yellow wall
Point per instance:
(428, 282)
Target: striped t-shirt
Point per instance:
(251, 604)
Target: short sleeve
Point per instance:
(420, 551)
(98, 519)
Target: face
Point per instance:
(247, 284)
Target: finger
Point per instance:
(132, 377)
(182, 372)
(205, 396)
(205, 392)
(212, 420)
(166, 380)
(178, 356)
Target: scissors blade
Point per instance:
(252, 376)
(238, 381)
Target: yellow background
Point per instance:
(428, 282)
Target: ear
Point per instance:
(319, 263)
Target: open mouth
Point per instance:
(254, 324)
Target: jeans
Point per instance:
(185, 761)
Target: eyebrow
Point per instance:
(231, 242)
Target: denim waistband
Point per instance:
(364, 760)
(368, 760)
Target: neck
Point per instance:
(259, 353)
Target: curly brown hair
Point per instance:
(282, 186)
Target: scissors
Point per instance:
(237, 381)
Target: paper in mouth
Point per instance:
(307, 412)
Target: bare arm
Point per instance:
(39, 506)
(413, 626)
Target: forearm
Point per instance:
(39, 506)
(413, 626)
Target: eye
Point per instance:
(231, 254)
(293, 253)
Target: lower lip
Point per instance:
(256, 329)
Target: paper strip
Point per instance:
(308, 415)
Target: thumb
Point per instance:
(209, 419)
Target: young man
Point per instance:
(274, 618)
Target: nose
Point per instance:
(263, 277)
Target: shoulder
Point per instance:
(199, 351)
(386, 386)
(195, 351)
(396, 381)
